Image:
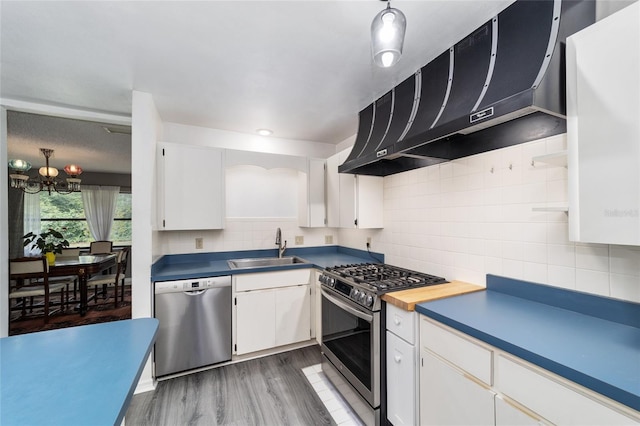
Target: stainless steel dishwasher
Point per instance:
(195, 323)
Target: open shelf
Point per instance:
(555, 159)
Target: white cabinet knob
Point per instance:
(397, 321)
(398, 358)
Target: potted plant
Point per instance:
(49, 242)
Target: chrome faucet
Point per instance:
(281, 248)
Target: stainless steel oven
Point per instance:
(351, 343)
(353, 331)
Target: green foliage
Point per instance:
(48, 241)
(58, 206)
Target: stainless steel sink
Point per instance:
(264, 262)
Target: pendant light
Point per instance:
(387, 36)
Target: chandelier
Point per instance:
(48, 178)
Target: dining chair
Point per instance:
(111, 280)
(25, 270)
(68, 280)
(101, 247)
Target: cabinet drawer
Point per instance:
(264, 280)
(552, 397)
(460, 351)
(401, 323)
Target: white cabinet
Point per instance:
(453, 392)
(552, 397)
(353, 201)
(190, 187)
(508, 414)
(402, 366)
(448, 396)
(464, 381)
(293, 314)
(271, 309)
(312, 210)
(603, 130)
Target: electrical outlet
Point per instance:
(299, 240)
(199, 243)
(328, 239)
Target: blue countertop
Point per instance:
(82, 375)
(201, 265)
(590, 340)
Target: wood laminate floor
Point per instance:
(268, 391)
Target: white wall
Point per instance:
(146, 130)
(469, 217)
(193, 135)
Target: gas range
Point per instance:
(365, 283)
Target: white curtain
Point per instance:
(99, 208)
(31, 219)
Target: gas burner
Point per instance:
(364, 283)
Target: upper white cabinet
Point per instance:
(603, 130)
(354, 201)
(190, 187)
(312, 210)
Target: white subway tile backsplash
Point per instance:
(561, 255)
(590, 281)
(625, 260)
(513, 268)
(625, 287)
(562, 276)
(593, 257)
(534, 272)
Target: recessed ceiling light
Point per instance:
(264, 132)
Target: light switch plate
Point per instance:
(299, 240)
(199, 243)
(328, 239)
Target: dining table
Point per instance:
(83, 266)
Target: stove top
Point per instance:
(364, 283)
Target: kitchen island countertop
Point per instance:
(81, 375)
(591, 340)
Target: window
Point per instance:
(66, 214)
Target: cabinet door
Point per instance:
(449, 397)
(255, 321)
(182, 204)
(311, 195)
(509, 415)
(333, 192)
(292, 315)
(369, 204)
(603, 130)
(401, 379)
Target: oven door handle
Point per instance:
(350, 309)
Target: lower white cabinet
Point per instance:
(507, 414)
(402, 366)
(277, 315)
(401, 377)
(448, 396)
(465, 381)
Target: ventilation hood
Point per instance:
(501, 85)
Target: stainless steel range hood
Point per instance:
(501, 85)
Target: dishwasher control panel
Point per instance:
(191, 285)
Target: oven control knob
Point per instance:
(369, 300)
(323, 279)
(355, 294)
(362, 297)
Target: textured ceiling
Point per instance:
(300, 68)
(84, 143)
